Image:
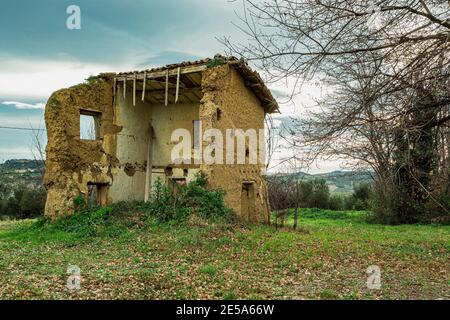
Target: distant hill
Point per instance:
(339, 181)
(21, 172)
(343, 181)
(21, 164)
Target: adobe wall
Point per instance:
(119, 158)
(224, 89)
(70, 162)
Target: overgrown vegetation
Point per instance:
(194, 197)
(123, 256)
(91, 80)
(117, 220)
(183, 245)
(218, 60)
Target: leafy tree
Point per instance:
(321, 194)
(24, 203)
(336, 202)
(362, 193)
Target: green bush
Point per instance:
(191, 198)
(360, 199)
(362, 194)
(23, 203)
(206, 203)
(80, 203)
(385, 203)
(389, 207)
(163, 205)
(336, 203)
(320, 195)
(349, 202)
(437, 209)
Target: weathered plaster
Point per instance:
(118, 160)
(224, 89)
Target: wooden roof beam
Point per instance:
(162, 73)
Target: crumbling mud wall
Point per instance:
(117, 160)
(228, 103)
(73, 163)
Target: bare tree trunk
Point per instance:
(276, 219)
(295, 217)
(38, 149)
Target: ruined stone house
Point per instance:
(134, 115)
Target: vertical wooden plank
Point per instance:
(114, 91)
(166, 100)
(148, 173)
(144, 84)
(177, 92)
(124, 87)
(134, 90)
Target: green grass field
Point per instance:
(326, 259)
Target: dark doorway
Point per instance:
(248, 200)
(97, 195)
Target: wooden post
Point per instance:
(114, 91)
(166, 100)
(144, 84)
(134, 90)
(124, 87)
(148, 173)
(177, 92)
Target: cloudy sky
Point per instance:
(39, 54)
